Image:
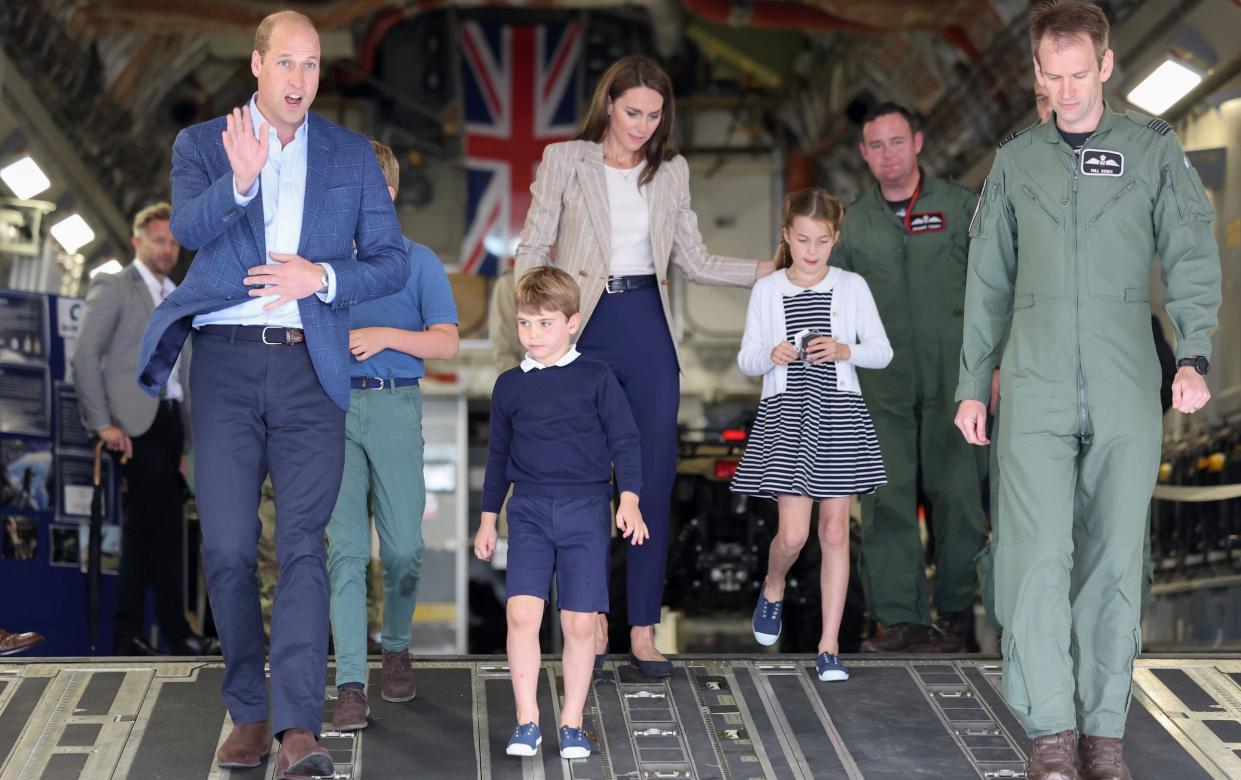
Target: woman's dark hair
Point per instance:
(625, 74)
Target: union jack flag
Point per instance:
(520, 88)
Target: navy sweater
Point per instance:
(557, 432)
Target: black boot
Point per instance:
(900, 638)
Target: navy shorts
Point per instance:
(565, 536)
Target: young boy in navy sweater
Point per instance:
(559, 424)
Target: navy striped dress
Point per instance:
(813, 439)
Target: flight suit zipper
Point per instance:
(1082, 416)
(1039, 202)
(1111, 202)
(906, 256)
(909, 302)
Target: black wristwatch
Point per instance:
(1197, 362)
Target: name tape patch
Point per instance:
(1102, 162)
(928, 222)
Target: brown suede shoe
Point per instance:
(396, 683)
(1054, 757)
(351, 710)
(900, 638)
(1102, 759)
(245, 747)
(17, 643)
(302, 757)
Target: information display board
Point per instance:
(46, 480)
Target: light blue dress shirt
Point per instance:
(283, 182)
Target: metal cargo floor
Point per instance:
(716, 717)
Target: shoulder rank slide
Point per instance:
(1015, 134)
(1159, 126)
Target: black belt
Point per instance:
(619, 284)
(380, 382)
(271, 335)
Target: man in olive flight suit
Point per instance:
(1069, 224)
(907, 236)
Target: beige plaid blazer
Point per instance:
(569, 210)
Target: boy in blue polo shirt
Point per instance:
(559, 424)
(389, 339)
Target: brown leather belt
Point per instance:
(271, 335)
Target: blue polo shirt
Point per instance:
(426, 300)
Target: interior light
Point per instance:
(1161, 90)
(109, 267)
(72, 233)
(25, 178)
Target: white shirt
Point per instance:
(631, 222)
(283, 181)
(855, 322)
(528, 364)
(159, 291)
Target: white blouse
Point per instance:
(631, 223)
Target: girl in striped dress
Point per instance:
(808, 328)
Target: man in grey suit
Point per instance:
(149, 436)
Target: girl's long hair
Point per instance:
(813, 203)
(625, 74)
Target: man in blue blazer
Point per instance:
(274, 199)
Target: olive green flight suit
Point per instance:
(1061, 251)
(916, 270)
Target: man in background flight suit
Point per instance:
(907, 237)
(1095, 196)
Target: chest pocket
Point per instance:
(1040, 224)
(1119, 243)
(941, 257)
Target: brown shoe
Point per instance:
(301, 757)
(16, 643)
(246, 746)
(397, 680)
(1102, 759)
(351, 710)
(1054, 757)
(900, 638)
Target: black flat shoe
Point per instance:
(196, 645)
(655, 669)
(600, 658)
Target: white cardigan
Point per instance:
(855, 321)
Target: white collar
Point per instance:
(528, 363)
(166, 285)
(789, 288)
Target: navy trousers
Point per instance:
(628, 332)
(256, 409)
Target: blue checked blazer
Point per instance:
(347, 202)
